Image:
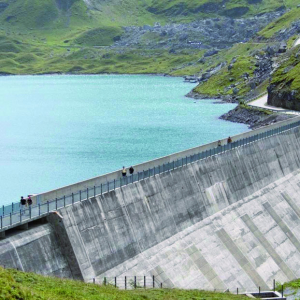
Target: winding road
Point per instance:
(262, 101)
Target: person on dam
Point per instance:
(131, 170)
(219, 143)
(29, 200)
(23, 204)
(124, 172)
(229, 140)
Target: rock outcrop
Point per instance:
(252, 117)
(284, 98)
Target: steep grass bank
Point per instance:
(19, 285)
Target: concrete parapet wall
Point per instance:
(230, 220)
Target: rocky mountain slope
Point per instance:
(230, 47)
(248, 72)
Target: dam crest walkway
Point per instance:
(14, 216)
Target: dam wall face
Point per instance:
(224, 222)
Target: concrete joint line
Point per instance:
(241, 259)
(282, 225)
(267, 246)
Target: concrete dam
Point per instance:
(229, 220)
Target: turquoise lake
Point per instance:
(57, 130)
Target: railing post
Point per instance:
(161, 285)
(186, 160)
(93, 280)
(282, 291)
(101, 188)
(237, 291)
(39, 209)
(115, 281)
(149, 172)
(64, 200)
(72, 198)
(104, 280)
(12, 207)
(1, 222)
(87, 193)
(3, 210)
(20, 215)
(153, 282)
(274, 285)
(125, 283)
(10, 219)
(135, 282)
(80, 195)
(94, 191)
(48, 206)
(55, 203)
(107, 183)
(114, 184)
(29, 211)
(144, 282)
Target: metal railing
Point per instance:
(34, 212)
(152, 282)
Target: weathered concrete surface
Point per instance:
(241, 246)
(225, 222)
(36, 250)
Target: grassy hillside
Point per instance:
(286, 77)
(229, 8)
(58, 36)
(283, 22)
(19, 285)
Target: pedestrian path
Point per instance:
(262, 103)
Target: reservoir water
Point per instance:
(57, 130)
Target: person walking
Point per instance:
(131, 170)
(23, 204)
(124, 172)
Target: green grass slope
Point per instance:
(58, 36)
(231, 8)
(283, 22)
(286, 77)
(18, 285)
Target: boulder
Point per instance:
(211, 53)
